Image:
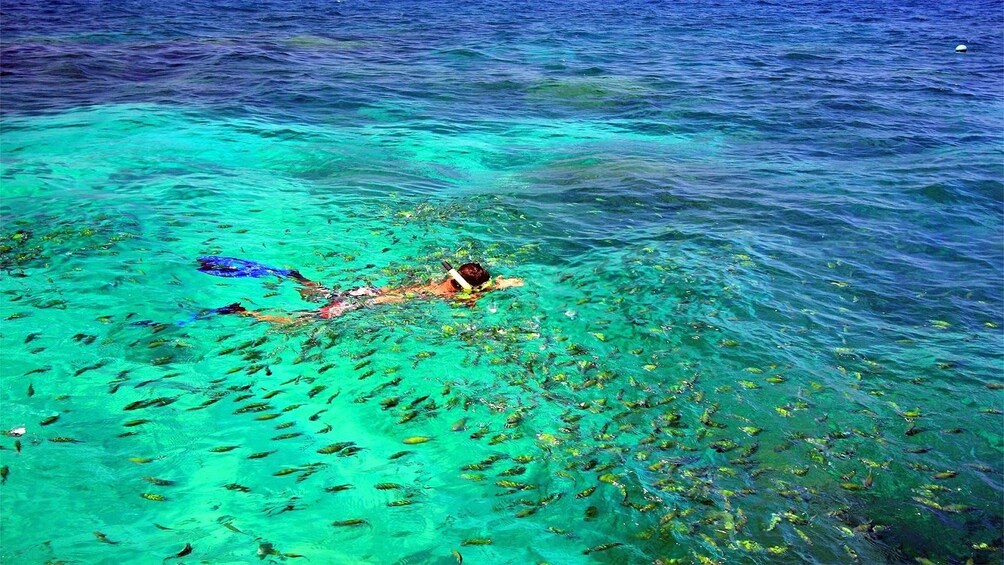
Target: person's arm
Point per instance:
(500, 283)
(310, 290)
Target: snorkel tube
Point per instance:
(457, 276)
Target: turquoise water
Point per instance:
(761, 321)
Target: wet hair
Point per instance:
(473, 273)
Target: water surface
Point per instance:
(762, 247)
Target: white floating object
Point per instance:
(17, 432)
(960, 49)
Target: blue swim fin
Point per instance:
(232, 267)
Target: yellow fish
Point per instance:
(417, 439)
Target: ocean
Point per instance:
(762, 246)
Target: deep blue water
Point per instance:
(701, 196)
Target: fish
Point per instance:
(514, 485)
(601, 547)
(498, 439)
(4, 473)
(513, 471)
(586, 492)
(402, 502)
(207, 403)
(338, 488)
(335, 447)
(476, 541)
(159, 402)
(261, 454)
(49, 420)
(290, 435)
(223, 448)
(265, 549)
(526, 512)
(153, 497)
(363, 354)
(957, 508)
(387, 486)
(237, 487)
(104, 539)
(136, 405)
(184, 551)
(253, 407)
(353, 522)
(158, 482)
(413, 440)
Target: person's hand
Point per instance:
(310, 293)
(502, 282)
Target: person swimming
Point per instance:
(467, 283)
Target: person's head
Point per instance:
(473, 273)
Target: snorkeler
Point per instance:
(466, 283)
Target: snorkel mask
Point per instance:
(457, 276)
